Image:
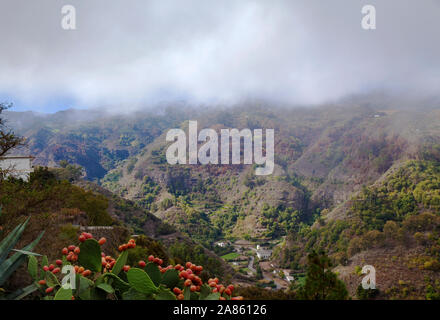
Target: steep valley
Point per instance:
(357, 180)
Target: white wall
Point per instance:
(17, 167)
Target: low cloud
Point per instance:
(136, 53)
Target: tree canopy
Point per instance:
(8, 139)
(321, 282)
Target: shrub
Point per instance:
(391, 229)
(341, 258)
(374, 238)
(366, 294)
(356, 245)
(432, 264)
(166, 204)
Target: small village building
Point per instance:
(288, 276)
(19, 167)
(263, 254)
(222, 244)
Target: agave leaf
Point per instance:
(23, 292)
(29, 253)
(11, 240)
(11, 264)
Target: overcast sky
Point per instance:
(137, 52)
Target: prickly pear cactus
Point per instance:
(98, 276)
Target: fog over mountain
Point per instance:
(135, 53)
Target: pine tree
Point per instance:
(321, 283)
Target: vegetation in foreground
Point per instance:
(100, 276)
(11, 259)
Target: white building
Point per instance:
(19, 167)
(222, 244)
(264, 254)
(288, 276)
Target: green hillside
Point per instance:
(357, 180)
